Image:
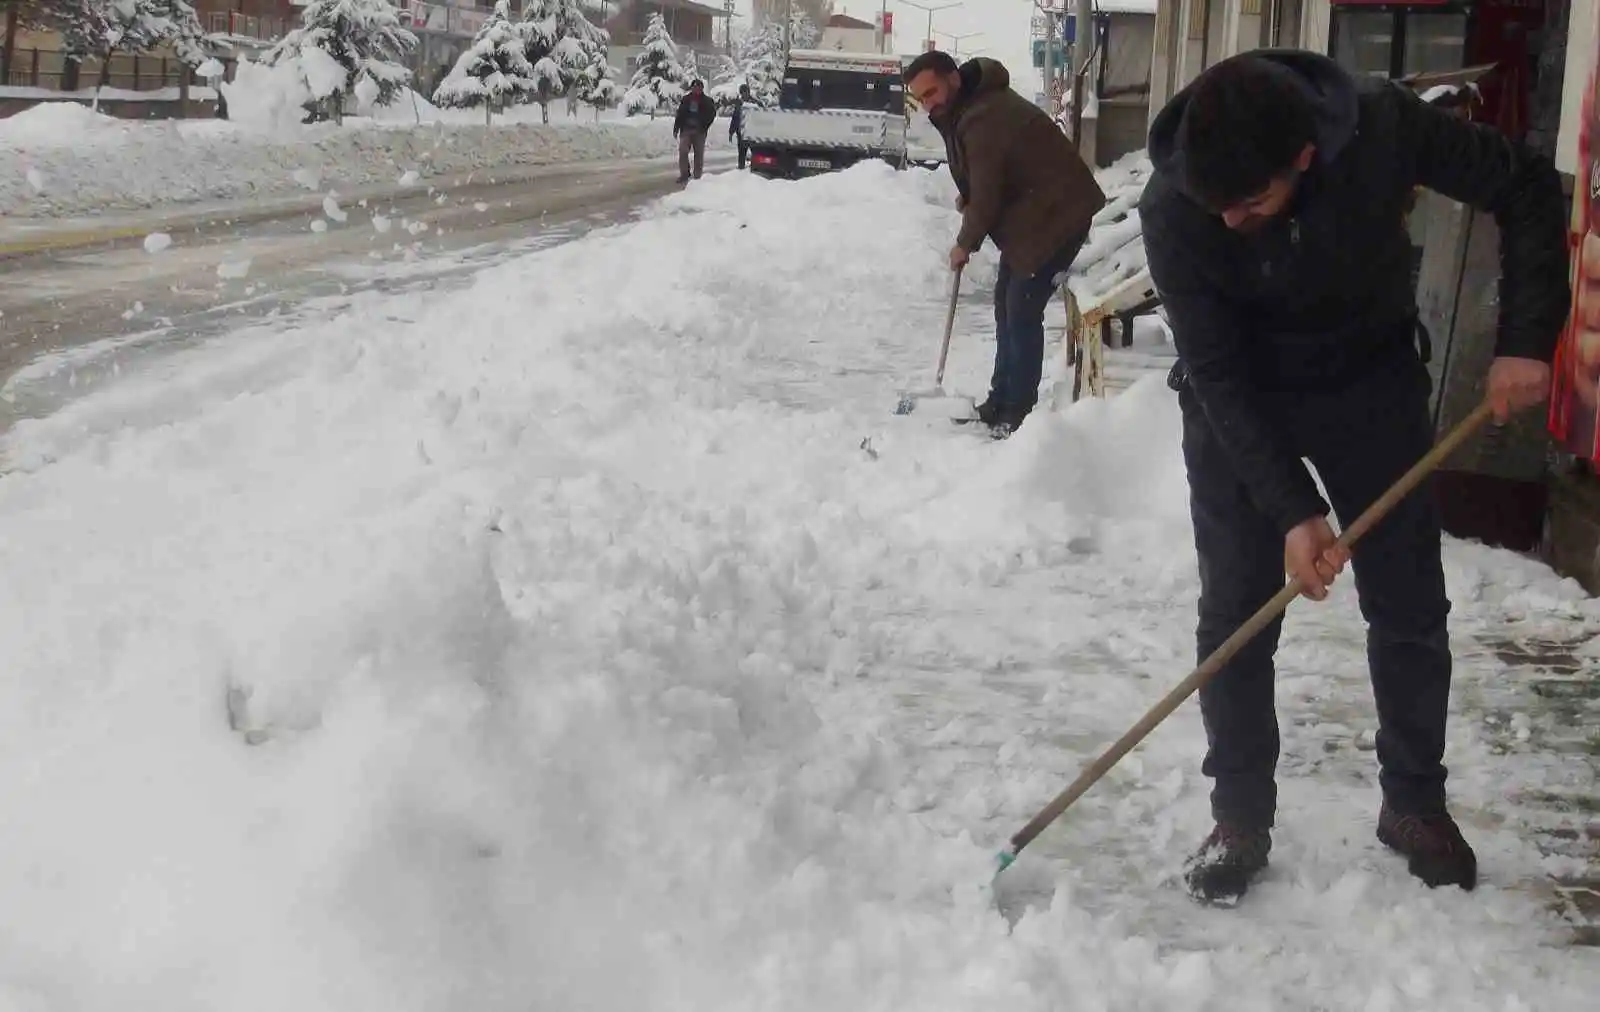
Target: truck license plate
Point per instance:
(813, 163)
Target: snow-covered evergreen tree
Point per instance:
(725, 82)
(138, 26)
(547, 84)
(596, 87)
(560, 30)
(493, 73)
(83, 25)
(346, 47)
(658, 82)
(760, 58)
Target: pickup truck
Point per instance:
(835, 109)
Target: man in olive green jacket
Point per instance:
(1023, 185)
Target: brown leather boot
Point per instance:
(1432, 845)
(1221, 870)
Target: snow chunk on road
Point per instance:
(157, 242)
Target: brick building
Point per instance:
(254, 20)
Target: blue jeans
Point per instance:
(1019, 304)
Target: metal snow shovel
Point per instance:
(1260, 620)
(910, 399)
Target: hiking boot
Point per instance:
(1007, 420)
(1227, 862)
(1432, 845)
(988, 411)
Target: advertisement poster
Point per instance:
(1575, 397)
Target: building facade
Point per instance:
(846, 34)
(695, 28)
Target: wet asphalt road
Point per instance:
(71, 316)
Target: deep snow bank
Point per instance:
(590, 662)
(61, 159)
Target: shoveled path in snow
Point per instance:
(556, 643)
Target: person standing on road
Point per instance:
(736, 122)
(693, 122)
(1274, 228)
(1023, 185)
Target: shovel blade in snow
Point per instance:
(935, 402)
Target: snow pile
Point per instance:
(137, 165)
(267, 100)
(60, 124)
(1114, 251)
(554, 644)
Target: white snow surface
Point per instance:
(553, 644)
(95, 162)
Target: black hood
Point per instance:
(1330, 88)
(979, 76)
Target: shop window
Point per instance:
(1363, 41)
(1397, 41)
(1283, 29)
(1434, 43)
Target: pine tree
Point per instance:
(83, 25)
(595, 85)
(547, 84)
(493, 73)
(138, 26)
(761, 63)
(724, 89)
(561, 31)
(346, 47)
(658, 81)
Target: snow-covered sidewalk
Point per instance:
(62, 159)
(557, 644)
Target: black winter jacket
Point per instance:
(1324, 293)
(695, 113)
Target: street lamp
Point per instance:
(930, 10)
(957, 40)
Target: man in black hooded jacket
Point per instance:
(1274, 225)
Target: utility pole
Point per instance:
(1048, 67)
(1083, 39)
(1083, 45)
(930, 11)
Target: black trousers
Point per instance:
(1360, 439)
(1019, 304)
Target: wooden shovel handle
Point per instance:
(1257, 622)
(949, 325)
